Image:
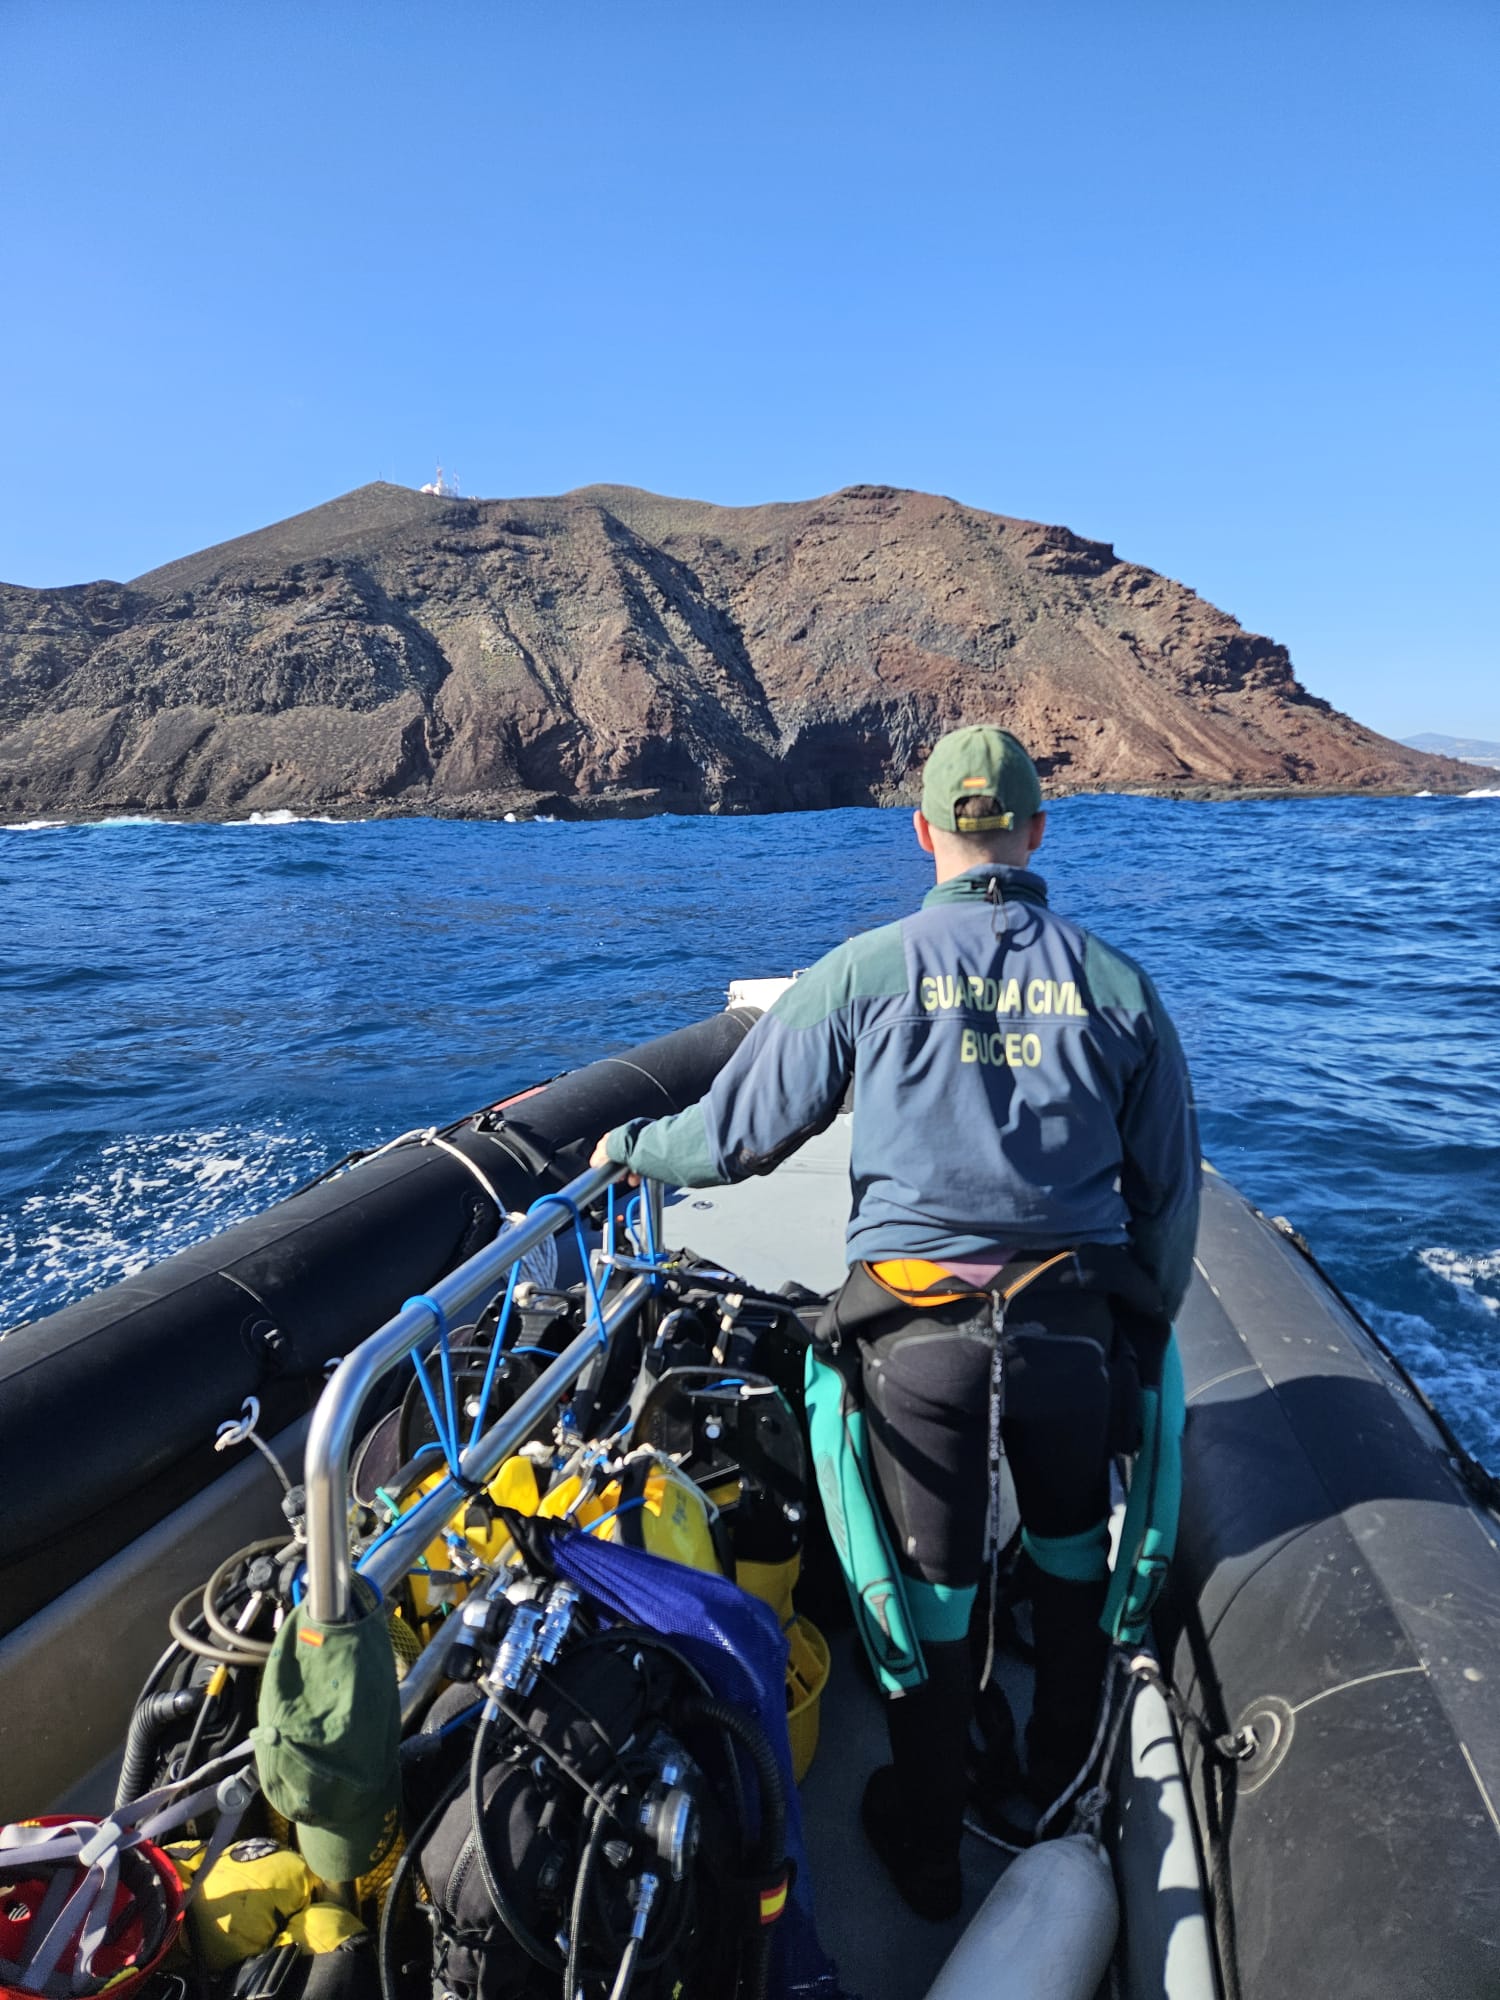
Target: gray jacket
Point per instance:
(1018, 1085)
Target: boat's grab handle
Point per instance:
(330, 1438)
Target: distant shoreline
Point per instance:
(319, 813)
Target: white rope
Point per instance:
(428, 1135)
(996, 1461)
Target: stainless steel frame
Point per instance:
(330, 1438)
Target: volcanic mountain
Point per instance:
(611, 651)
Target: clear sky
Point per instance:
(1217, 281)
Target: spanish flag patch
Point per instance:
(773, 1902)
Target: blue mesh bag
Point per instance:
(735, 1642)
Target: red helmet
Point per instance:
(79, 1912)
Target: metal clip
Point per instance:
(239, 1430)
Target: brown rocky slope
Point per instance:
(613, 651)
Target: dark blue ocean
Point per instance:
(196, 1018)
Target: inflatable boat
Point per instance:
(462, 1386)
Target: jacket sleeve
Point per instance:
(1161, 1173)
(783, 1083)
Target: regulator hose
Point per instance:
(534, 1949)
(227, 1636)
(410, 1855)
(598, 1828)
(223, 1644)
(152, 1716)
(768, 1851)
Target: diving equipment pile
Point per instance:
(594, 1792)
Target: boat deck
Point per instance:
(790, 1226)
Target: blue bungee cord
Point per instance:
(624, 1508)
(444, 1421)
(493, 1364)
(502, 1325)
(445, 1417)
(653, 1256)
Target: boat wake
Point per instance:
(140, 1199)
(1477, 1277)
(1456, 1365)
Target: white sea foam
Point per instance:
(140, 1200)
(1463, 1383)
(283, 816)
(1483, 792)
(33, 825)
(1472, 1274)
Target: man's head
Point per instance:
(981, 801)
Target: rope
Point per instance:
(242, 1430)
(566, 1201)
(1230, 1746)
(473, 1167)
(998, 1304)
(444, 1422)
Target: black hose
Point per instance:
(154, 1714)
(410, 1855)
(594, 1844)
(627, 1970)
(218, 1627)
(180, 1622)
(542, 1954)
(768, 1851)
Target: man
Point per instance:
(1025, 1179)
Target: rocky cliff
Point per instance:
(615, 652)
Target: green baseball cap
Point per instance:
(975, 763)
(327, 1737)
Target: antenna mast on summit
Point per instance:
(442, 486)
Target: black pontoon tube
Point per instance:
(1336, 1592)
(108, 1408)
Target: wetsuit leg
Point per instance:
(1058, 1421)
(927, 1390)
(924, 1382)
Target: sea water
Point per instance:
(196, 1018)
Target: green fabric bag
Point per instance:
(328, 1735)
(851, 1505)
(1148, 1540)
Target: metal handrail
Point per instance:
(402, 1545)
(330, 1438)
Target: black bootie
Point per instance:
(1071, 1652)
(913, 1808)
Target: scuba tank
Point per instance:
(1046, 1930)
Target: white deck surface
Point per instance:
(791, 1225)
(788, 1225)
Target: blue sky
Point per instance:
(1218, 283)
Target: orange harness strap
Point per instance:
(916, 1281)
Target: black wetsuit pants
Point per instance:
(1068, 1395)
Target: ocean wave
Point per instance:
(34, 825)
(1462, 1382)
(283, 816)
(1483, 792)
(139, 1200)
(1471, 1274)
